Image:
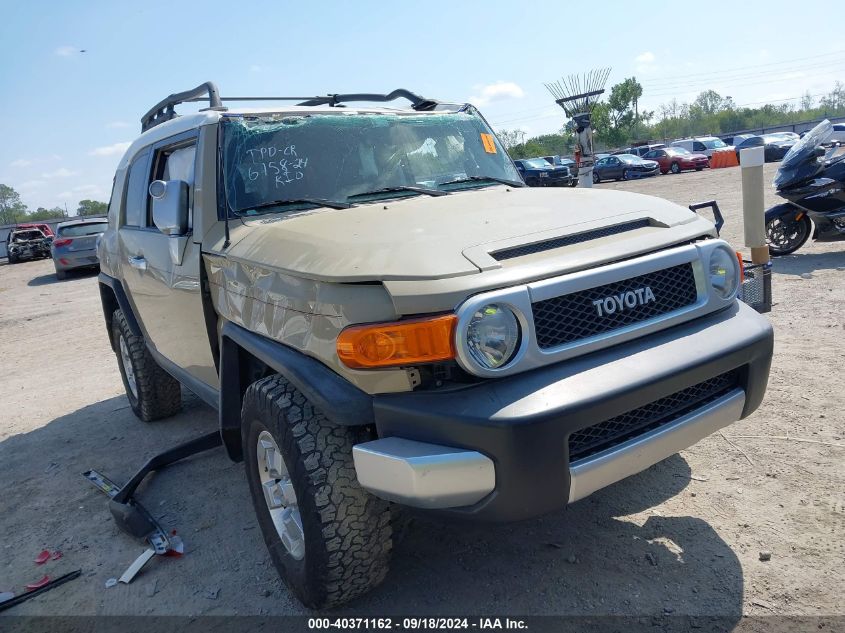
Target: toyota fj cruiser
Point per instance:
(385, 316)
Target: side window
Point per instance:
(175, 163)
(136, 191)
(698, 147)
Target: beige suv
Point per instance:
(385, 316)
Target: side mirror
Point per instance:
(170, 206)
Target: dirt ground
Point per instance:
(684, 537)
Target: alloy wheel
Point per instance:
(280, 496)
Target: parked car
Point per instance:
(642, 150)
(562, 161)
(44, 228)
(736, 140)
(775, 145)
(838, 135)
(624, 167)
(702, 144)
(75, 245)
(785, 135)
(536, 172)
(677, 159)
(24, 244)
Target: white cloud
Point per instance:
(66, 51)
(21, 162)
(645, 62)
(110, 150)
(90, 190)
(82, 192)
(117, 124)
(498, 91)
(61, 172)
(31, 184)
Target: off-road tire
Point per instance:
(348, 534)
(159, 394)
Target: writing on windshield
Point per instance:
(274, 158)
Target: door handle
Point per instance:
(138, 262)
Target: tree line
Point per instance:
(14, 211)
(618, 121)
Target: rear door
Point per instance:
(162, 273)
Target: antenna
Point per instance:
(578, 95)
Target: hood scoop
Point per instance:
(569, 240)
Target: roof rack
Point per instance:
(164, 109)
(417, 102)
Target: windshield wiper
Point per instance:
(319, 202)
(419, 190)
(501, 181)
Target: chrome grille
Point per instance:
(573, 316)
(614, 431)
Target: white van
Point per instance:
(702, 145)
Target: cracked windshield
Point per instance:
(278, 162)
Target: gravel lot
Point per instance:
(684, 537)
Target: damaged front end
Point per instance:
(27, 245)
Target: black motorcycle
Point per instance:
(812, 179)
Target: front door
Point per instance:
(162, 273)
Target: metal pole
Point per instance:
(584, 149)
(753, 209)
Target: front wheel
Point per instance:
(626, 175)
(596, 178)
(675, 168)
(329, 539)
(785, 234)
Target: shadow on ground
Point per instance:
(586, 560)
(801, 263)
(46, 280)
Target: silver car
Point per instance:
(75, 245)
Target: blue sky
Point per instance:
(67, 114)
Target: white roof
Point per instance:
(187, 122)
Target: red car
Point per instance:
(677, 159)
(44, 228)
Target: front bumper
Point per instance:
(501, 447)
(634, 174)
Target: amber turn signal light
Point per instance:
(425, 340)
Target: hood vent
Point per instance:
(569, 240)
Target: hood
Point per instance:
(434, 237)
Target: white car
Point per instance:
(838, 133)
(702, 145)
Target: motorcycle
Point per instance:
(812, 180)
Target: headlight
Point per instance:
(492, 336)
(724, 272)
